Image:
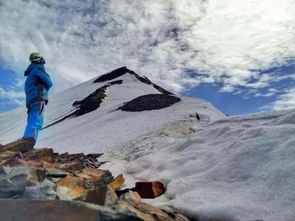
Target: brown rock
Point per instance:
(55, 175)
(36, 175)
(130, 195)
(117, 182)
(111, 197)
(145, 211)
(51, 165)
(21, 145)
(9, 158)
(54, 210)
(96, 196)
(151, 213)
(173, 212)
(94, 178)
(71, 166)
(31, 163)
(43, 154)
(92, 174)
(70, 188)
(5, 155)
(103, 195)
(149, 190)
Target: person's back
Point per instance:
(37, 85)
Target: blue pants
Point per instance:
(35, 119)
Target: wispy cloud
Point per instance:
(226, 41)
(285, 101)
(10, 97)
(11, 94)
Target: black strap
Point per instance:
(39, 96)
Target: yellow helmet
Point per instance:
(35, 56)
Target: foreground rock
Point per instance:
(75, 187)
(33, 210)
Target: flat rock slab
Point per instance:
(53, 210)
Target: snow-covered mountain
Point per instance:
(214, 166)
(87, 117)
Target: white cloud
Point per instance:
(285, 101)
(11, 97)
(4, 94)
(225, 40)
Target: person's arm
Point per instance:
(44, 78)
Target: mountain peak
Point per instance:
(113, 74)
(124, 70)
(139, 94)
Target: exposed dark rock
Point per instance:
(124, 70)
(149, 102)
(162, 90)
(91, 102)
(116, 82)
(195, 115)
(112, 75)
(88, 104)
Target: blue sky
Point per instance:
(237, 54)
(245, 102)
(11, 90)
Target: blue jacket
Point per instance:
(37, 84)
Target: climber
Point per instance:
(37, 85)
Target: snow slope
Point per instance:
(239, 168)
(226, 167)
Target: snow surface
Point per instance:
(235, 168)
(238, 167)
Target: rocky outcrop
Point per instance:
(124, 70)
(40, 183)
(150, 102)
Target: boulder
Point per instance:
(103, 195)
(149, 190)
(13, 181)
(71, 187)
(46, 190)
(117, 182)
(130, 195)
(57, 210)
